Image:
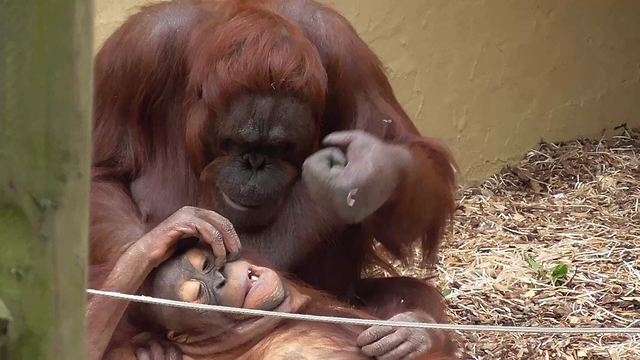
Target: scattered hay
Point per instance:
(574, 203)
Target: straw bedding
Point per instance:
(575, 204)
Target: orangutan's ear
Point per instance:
(181, 338)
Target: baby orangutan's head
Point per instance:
(190, 276)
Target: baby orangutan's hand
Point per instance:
(155, 350)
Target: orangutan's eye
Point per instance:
(197, 259)
(191, 291)
(201, 294)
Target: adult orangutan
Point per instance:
(191, 276)
(277, 118)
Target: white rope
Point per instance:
(366, 322)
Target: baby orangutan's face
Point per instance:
(192, 277)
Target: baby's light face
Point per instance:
(191, 277)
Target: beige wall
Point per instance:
(492, 78)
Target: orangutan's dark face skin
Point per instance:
(255, 155)
(192, 277)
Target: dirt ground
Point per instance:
(551, 241)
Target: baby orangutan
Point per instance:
(190, 275)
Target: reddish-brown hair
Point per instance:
(255, 51)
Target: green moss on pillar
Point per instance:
(45, 117)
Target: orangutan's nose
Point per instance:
(254, 161)
(219, 281)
